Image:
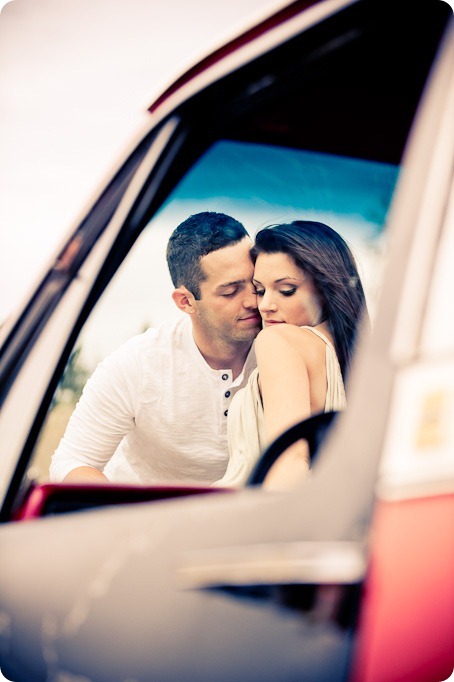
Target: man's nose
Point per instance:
(250, 300)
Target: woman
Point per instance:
(311, 301)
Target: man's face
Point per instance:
(227, 309)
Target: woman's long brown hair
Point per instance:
(323, 254)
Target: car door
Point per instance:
(251, 585)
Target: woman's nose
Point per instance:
(267, 303)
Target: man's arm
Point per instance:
(103, 416)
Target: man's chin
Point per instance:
(248, 334)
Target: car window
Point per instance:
(258, 184)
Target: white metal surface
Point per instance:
(418, 453)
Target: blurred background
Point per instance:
(76, 78)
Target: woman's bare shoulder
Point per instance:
(288, 336)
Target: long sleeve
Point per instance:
(104, 414)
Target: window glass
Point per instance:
(257, 184)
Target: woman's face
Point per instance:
(285, 294)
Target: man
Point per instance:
(156, 408)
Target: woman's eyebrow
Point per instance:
(281, 279)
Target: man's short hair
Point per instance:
(194, 238)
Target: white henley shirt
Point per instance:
(153, 411)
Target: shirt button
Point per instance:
(225, 377)
(225, 413)
(227, 394)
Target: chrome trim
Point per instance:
(274, 564)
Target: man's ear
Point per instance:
(184, 300)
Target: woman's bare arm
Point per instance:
(284, 384)
(284, 380)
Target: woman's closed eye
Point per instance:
(287, 292)
(283, 292)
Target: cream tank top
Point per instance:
(335, 391)
(246, 426)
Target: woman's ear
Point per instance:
(184, 300)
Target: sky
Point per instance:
(76, 78)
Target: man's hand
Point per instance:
(85, 475)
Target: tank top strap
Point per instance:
(335, 394)
(320, 335)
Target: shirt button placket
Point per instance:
(227, 394)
